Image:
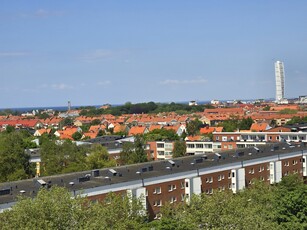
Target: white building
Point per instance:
(280, 81)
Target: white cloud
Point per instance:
(42, 13)
(107, 82)
(61, 86)
(13, 54)
(183, 82)
(98, 54)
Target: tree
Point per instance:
(194, 126)
(245, 123)
(14, 162)
(9, 129)
(55, 209)
(161, 134)
(139, 155)
(77, 136)
(101, 133)
(133, 152)
(291, 203)
(180, 149)
(62, 158)
(52, 209)
(99, 158)
(126, 153)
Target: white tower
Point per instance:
(280, 80)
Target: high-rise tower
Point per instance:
(280, 80)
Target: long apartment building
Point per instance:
(173, 181)
(260, 136)
(163, 150)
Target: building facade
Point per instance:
(172, 181)
(280, 81)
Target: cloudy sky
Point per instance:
(96, 52)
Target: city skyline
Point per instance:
(94, 53)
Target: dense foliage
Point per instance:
(161, 135)
(14, 162)
(134, 152)
(150, 107)
(262, 206)
(297, 120)
(233, 124)
(64, 157)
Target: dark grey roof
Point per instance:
(103, 177)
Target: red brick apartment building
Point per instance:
(174, 181)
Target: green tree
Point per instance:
(14, 162)
(77, 136)
(134, 152)
(126, 153)
(99, 158)
(139, 155)
(291, 203)
(9, 129)
(194, 126)
(161, 134)
(52, 209)
(180, 149)
(245, 123)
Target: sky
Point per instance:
(98, 51)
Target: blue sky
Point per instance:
(96, 52)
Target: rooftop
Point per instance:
(104, 177)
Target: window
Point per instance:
(229, 146)
(251, 171)
(182, 184)
(171, 187)
(233, 174)
(220, 177)
(173, 199)
(158, 203)
(294, 162)
(158, 216)
(187, 184)
(209, 179)
(199, 146)
(182, 197)
(160, 145)
(157, 190)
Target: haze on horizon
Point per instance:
(96, 52)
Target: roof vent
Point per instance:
(5, 192)
(95, 173)
(112, 172)
(172, 163)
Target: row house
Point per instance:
(163, 150)
(52, 122)
(173, 181)
(260, 136)
(26, 123)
